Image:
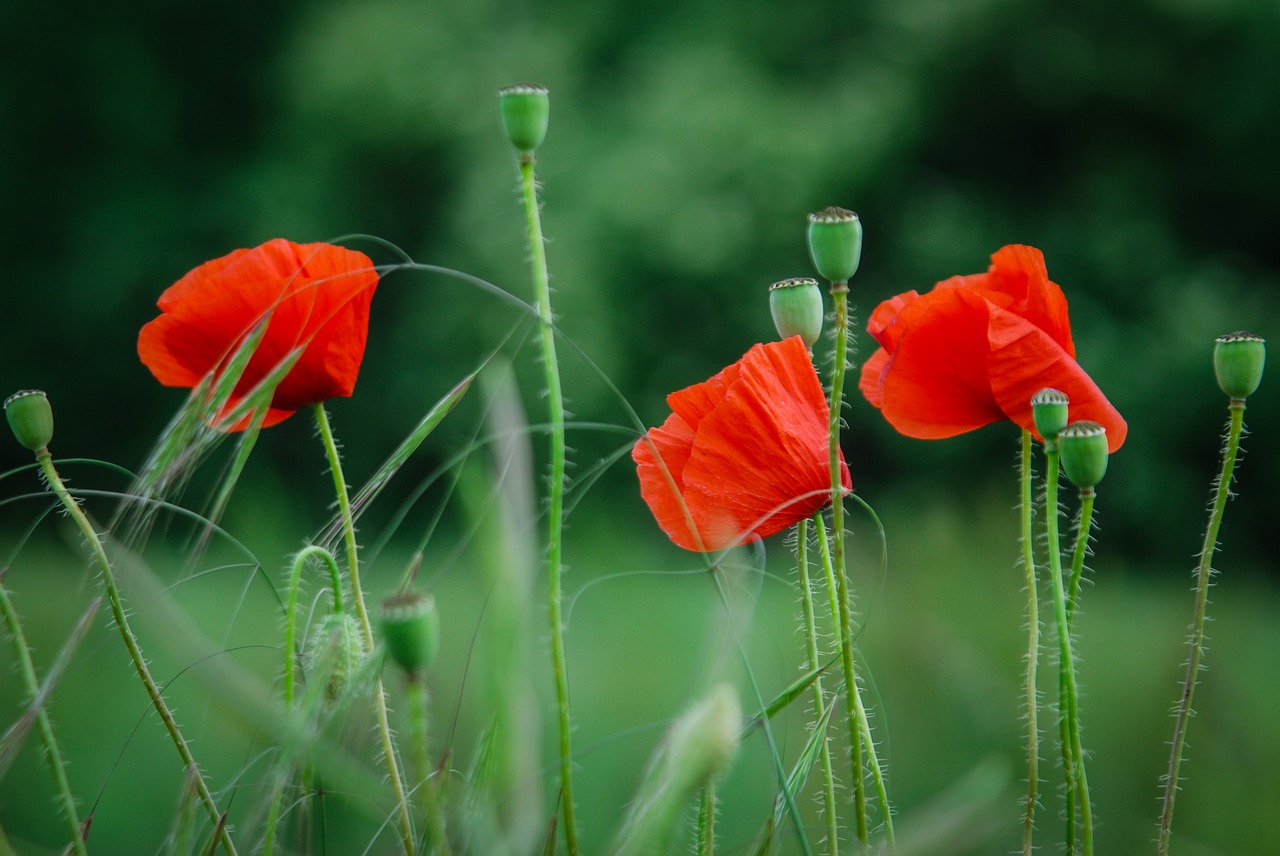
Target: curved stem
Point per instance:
(1033, 646)
(291, 607)
(555, 510)
(1222, 491)
(1087, 496)
(131, 644)
(362, 612)
(819, 694)
(53, 753)
(1077, 787)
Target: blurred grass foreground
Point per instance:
(1133, 143)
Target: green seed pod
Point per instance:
(1083, 446)
(412, 630)
(1049, 410)
(526, 109)
(796, 305)
(31, 418)
(835, 243)
(1237, 361)
(335, 652)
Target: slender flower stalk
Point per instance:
(428, 791)
(1204, 574)
(819, 694)
(1033, 646)
(1077, 787)
(1087, 497)
(53, 752)
(77, 514)
(524, 114)
(366, 629)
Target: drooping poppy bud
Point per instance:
(835, 243)
(1083, 446)
(796, 305)
(1237, 361)
(335, 652)
(411, 628)
(31, 418)
(526, 110)
(1049, 410)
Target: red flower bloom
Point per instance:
(742, 455)
(976, 349)
(316, 295)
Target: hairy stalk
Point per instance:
(1087, 496)
(362, 612)
(428, 792)
(53, 753)
(705, 842)
(840, 612)
(1204, 573)
(555, 510)
(819, 695)
(131, 644)
(1077, 784)
(1033, 646)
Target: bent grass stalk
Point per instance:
(1204, 573)
(1033, 645)
(555, 510)
(135, 651)
(57, 766)
(362, 612)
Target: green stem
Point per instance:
(1222, 491)
(131, 644)
(1033, 646)
(362, 612)
(1087, 496)
(291, 607)
(555, 511)
(819, 695)
(428, 793)
(706, 833)
(1077, 785)
(53, 753)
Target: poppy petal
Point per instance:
(760, 459)
(934, 384)
(1025, 359)
(661, 456)
(314, 295)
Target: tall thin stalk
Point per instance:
(1033, 645)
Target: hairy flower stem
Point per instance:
(1204, 573)
(555, 510)
(819, 695)
(1087, 496)
(705, 841)
(857, 717)
(427, 786)
(135, 650)
(1077, 784)
(366, 629)
(53, 753)
(1033, 646)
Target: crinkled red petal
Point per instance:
(1024, 359)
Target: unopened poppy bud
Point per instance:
(835, 243)
(31, 418)
(1049, 410)
(526, 109)
(336, 647)
(1237, 361)
(411, 628)
(796, 305)
(1083, 446)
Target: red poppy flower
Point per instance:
(742, 455)
(975, 349)
(316, 295)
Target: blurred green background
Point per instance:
(1134, 143)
